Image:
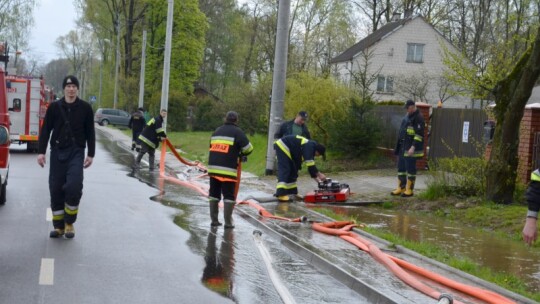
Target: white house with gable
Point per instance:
(406, 57)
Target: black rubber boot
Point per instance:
(228, 207)
(214, 212)
(151, 159)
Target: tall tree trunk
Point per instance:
(511, 96)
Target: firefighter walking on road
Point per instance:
(136, 124)
(227, 144)
(291, 151)
(409, 147)
(71, 121)
(150, 137)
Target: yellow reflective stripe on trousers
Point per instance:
(71, 210)
(282, 185)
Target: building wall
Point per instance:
(390, 54)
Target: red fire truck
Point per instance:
(4, 131)
(26, 105)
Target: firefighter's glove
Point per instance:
(243, 158)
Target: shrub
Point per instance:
(458, 176)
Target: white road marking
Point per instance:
(48, 216)
(46, 272)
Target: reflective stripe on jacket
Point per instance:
(227, 144)
(153, 132)
(411, 132)
(299, 149)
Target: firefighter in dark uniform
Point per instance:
(227, 144)
(150, 137)
(71, 121)
(136, 124)
(530, 230)
(409, 147)
(291, 151)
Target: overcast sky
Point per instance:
(52, 18)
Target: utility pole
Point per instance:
(141, 80)
(167, 61)
(102, 46)
(117, 64)
(278, 80)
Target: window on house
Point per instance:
(385, 84)
(415, 52)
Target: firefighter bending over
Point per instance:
(409, 147)
(227, 144)
(290, 152)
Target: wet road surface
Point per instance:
(243, 277)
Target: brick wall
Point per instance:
(530, 124)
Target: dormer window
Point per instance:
(415, 52)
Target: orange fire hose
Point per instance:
(181, 159)
(201, 188)
(264, 213)
(395, 265)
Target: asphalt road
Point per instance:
(126, 249)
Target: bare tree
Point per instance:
(413, 85)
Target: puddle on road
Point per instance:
(486, 249)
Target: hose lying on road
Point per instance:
(264, 213)
(398, 266)
(199, 187)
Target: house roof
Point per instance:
(535, 95)
(370, 40)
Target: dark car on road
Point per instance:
(115, 117)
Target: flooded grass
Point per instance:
(435, 252)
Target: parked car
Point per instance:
(104, 116)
